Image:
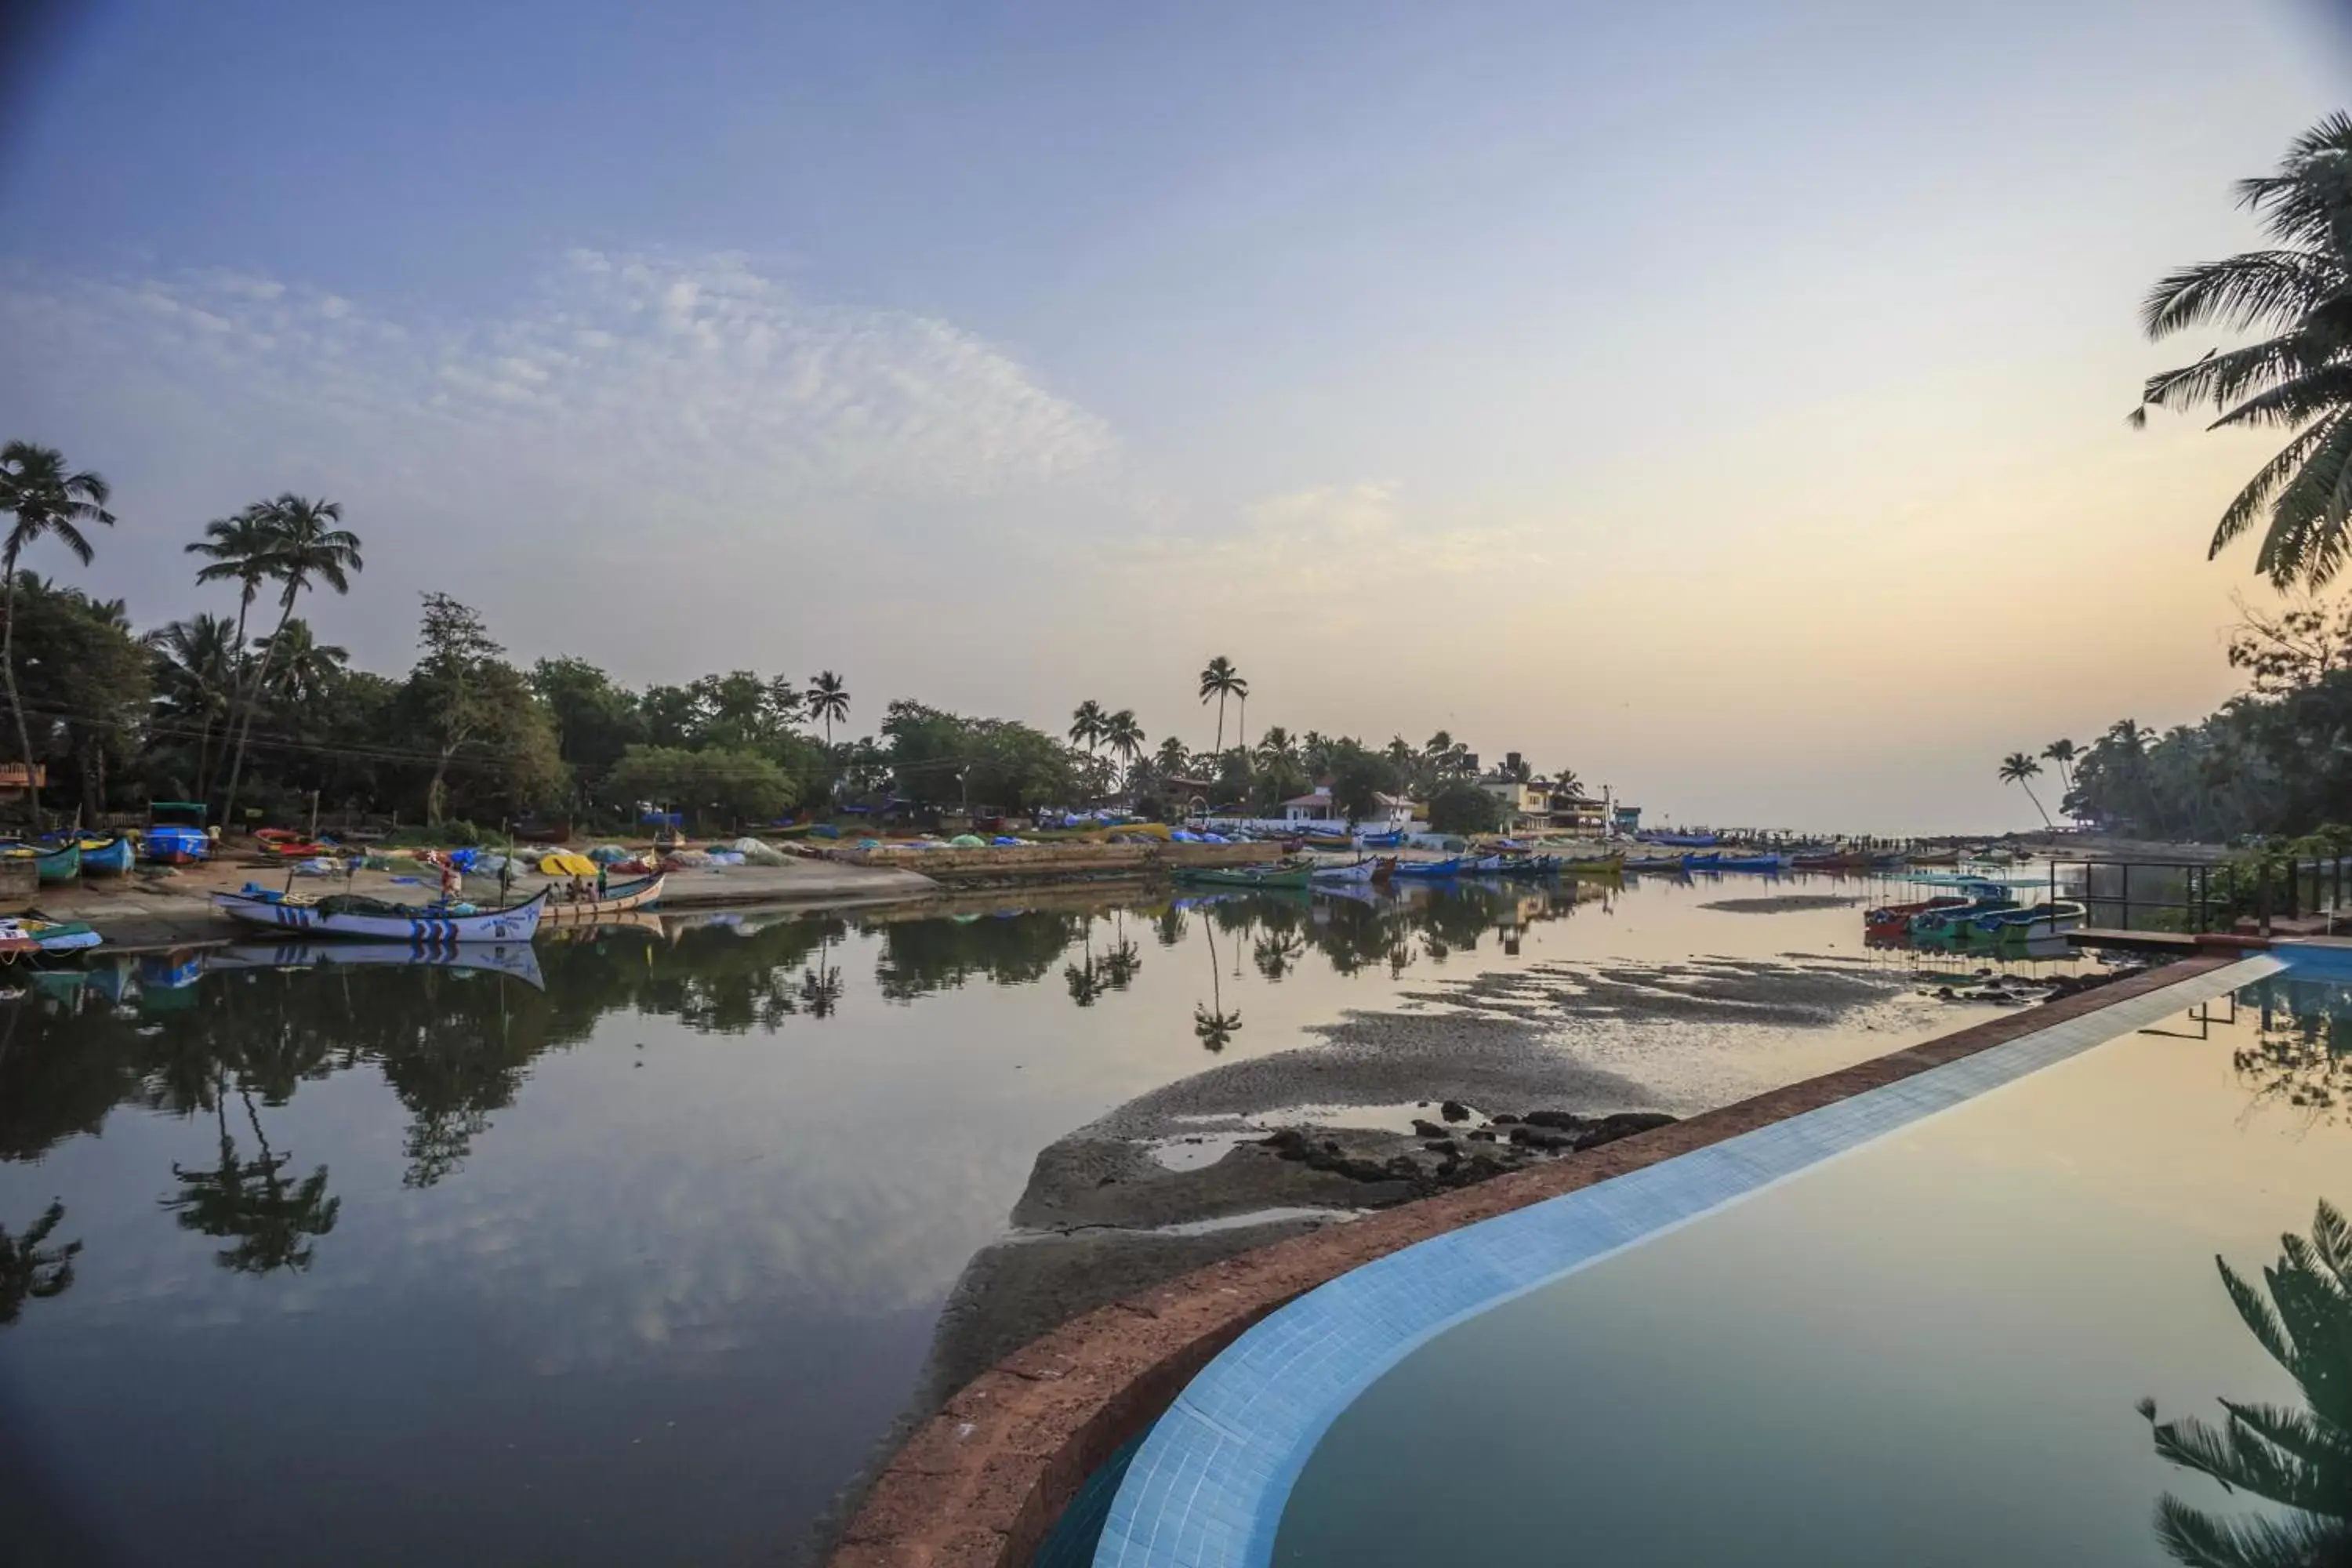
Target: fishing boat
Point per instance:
(1683, 840)
(1394, 840)
(2012, 931)
(1262, 876)
(620, 898)
(1514, 866)
(1710, 861)
(1446, 867)
(1353, 872)
(1893, 923)
(353, 915)
(1656, 865)
(1950, 930)
(58, 863)
(107, 857)
(1749, 862)
(175, 832)
(1835, 860)
(19, 937)
(1934, 858)
(1328, 841)
(1594, 866)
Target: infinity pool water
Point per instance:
(1927, 1351)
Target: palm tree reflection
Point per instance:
(2299, 1459)
(271, 1219)
(31, 1269)
(1213, 1026)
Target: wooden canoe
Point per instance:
(620, 898)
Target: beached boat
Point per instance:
(1934, 858)
(1656, 865)
(51, 863)
(107, 857)
(620, 898)
(1448, 867)
(2012, 931)
(374, 920)
(1514, 866)
(1328, 841)
(1950, 930)
(1594, 866)
(175, 832)
(1681, 840)
(19, 937)
(1710, 861)
(1353, 872)
(1390, 840)
(1263, 877)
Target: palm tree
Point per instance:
(46, 502)
(2296, 378)
(304, 547)
(1275, 749)
(828, 699)
(2300, 1460)
(1171, 759)
(1086, 724)
(1222, 680)
(305, 666)
(1123, 736)
(2061, 752)
(238, 550)
(2017, 768)
(199, 677)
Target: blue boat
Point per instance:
(1429, 868)
(1382, 840)
(1683, 840)
(107, 857)
(175, 832)
(1701, 862)
(1747, 862)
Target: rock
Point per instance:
(1505, 1119)
(1454, 1111)
(1624, 1124)
(1442, 1146)
(1289, 1144)
(1428, 1128)
(1483, 1166)
(1558, 1120)
(1481, 1135)
(1540, 1137)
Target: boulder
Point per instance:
(1454, 1111)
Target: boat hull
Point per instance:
(423, 931)
(112, 859)
(624, 899)
(1240, 877)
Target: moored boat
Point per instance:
(620, 898)
(58, 863)
(1446, 867)
(517, 958)
(175, 832)
(18, 937)
(1594, 865)
(1657, 865)
(1892, 922)
(1749, 862)
(353, 915)
(1352, 871)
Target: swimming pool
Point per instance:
(1912, 1326)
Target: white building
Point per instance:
(1316, 809)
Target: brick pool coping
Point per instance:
(981, 1484)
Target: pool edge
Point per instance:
(979, 1485)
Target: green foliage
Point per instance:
(1358, 778)
(734, 786)
(492, 744)
(2297, 373)
(1461, 806)
(2300, 1459)
(85, 683)
(942, 760)
(596, 719)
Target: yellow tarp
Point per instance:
(564, 863)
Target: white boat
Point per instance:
(620, 898)
(1350, 871)
(423, 926)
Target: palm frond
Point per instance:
(2258, 492)
(2205, 1540)
(2255, 288)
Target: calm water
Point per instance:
(1927, 1353)
(628, 1254)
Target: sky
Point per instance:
(1724, 401)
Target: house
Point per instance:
(1316, 805)
(1521, 800)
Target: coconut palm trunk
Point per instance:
(8, 673)
(252, 702)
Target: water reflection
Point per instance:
(2300, 1054)
(31, 1269)
(2298, 1459)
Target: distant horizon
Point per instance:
(1730, 409)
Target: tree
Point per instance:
(828, 699)
(596, 719)
(1459, 805)
(46, 502)
(197, 664)
(304, 547)
(741, 786)
(1171, 760)
(1358, 779)
(2298, 1459)
(87, 680)
(2296, 378)
(464, 699)
(238, 549)
(1123, 736)
(1222, 680)
(2061, 752)
(1086, 724)
(2017, 768)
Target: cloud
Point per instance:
(695, 371)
